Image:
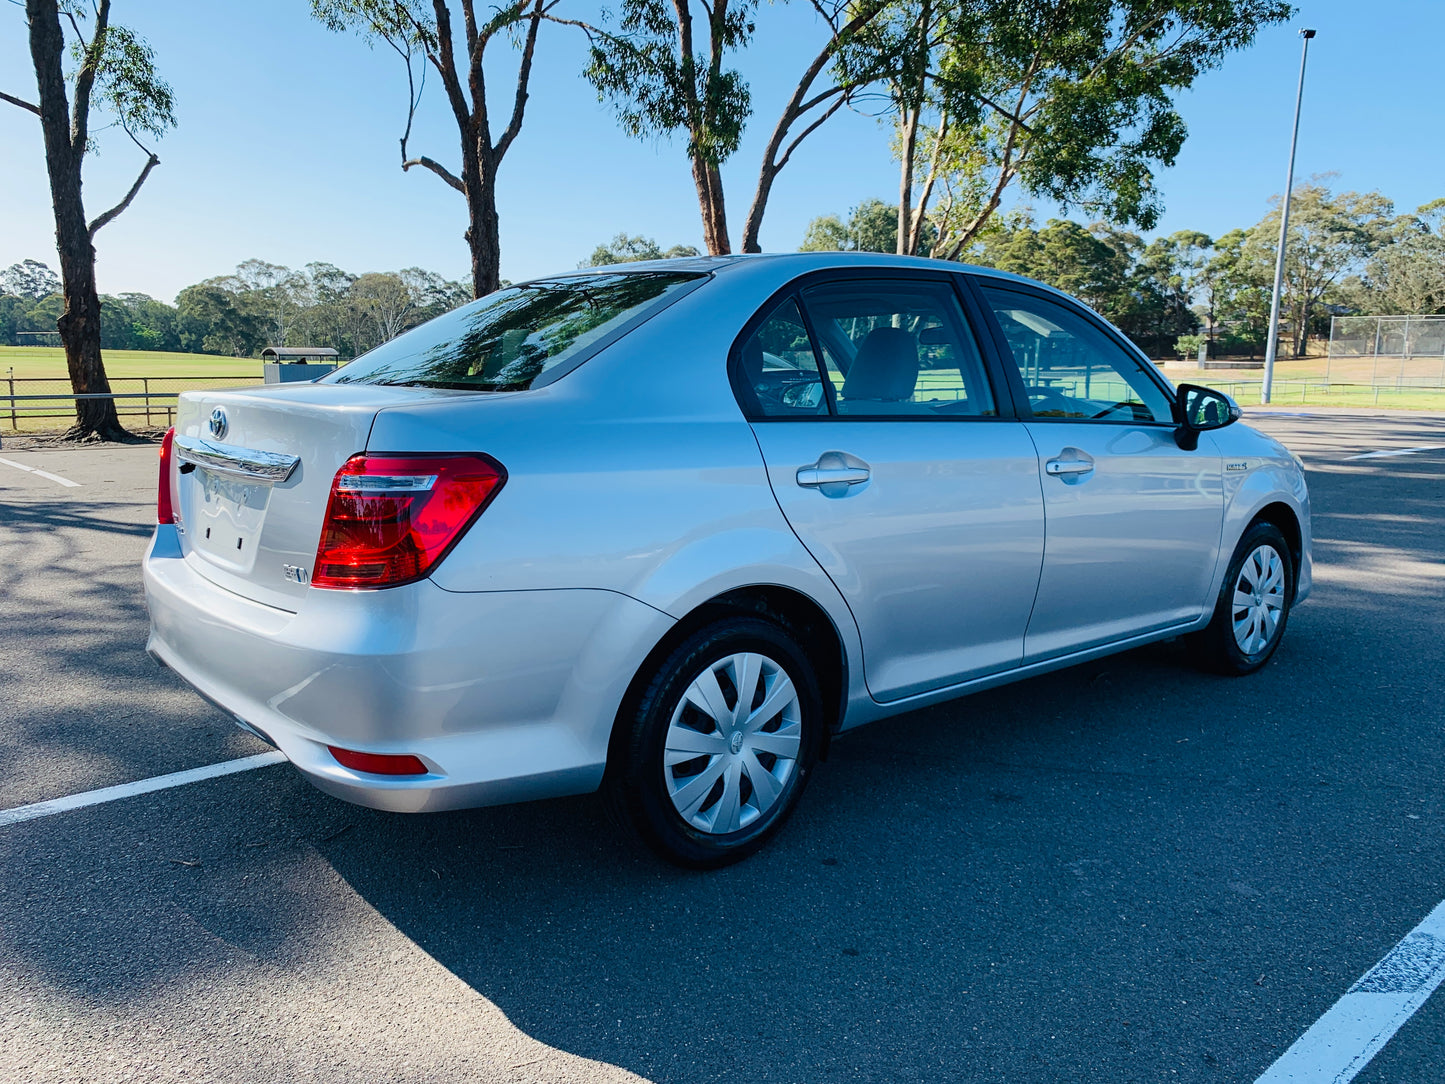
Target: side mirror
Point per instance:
(1198, 410)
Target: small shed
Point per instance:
(291, 364)
(293, 355)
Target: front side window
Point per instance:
(1070, 368)
(514, 337)
(898, 348)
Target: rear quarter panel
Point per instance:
(637, 473)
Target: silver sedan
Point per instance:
(666, 528)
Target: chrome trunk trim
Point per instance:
(235, 462)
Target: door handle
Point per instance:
(815, 476)
(1077, 463)
(834, 474)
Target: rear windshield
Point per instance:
(511, 339)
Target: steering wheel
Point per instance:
(1130, 404)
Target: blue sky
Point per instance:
(287, 145)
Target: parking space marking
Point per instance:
(142, 786)
(42, 473)
(1397, 451)
(1342, 1042)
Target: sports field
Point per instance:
(148, 379)
(48, 362)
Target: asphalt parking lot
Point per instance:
(1130, 871)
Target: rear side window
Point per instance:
(898, 348)
(519, 336)
(780, 368)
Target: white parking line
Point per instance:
(143, 786)
(1397, 451)
(42, 473)
(1357, 1026)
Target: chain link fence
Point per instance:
(1387, 351)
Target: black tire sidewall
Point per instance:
(639, 786)
(1225, 651)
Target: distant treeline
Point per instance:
(1348, 254)
(260, 305)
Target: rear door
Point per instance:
(898, 470)
(1134, 521)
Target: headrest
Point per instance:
(886, 368)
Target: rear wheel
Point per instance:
(1253, 607)
(720, 744)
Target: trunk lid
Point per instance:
(250, 517)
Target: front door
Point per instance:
(899, 475)
(1133, 520)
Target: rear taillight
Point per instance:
(164, 512)
(391, 518)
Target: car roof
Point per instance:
(803, 262)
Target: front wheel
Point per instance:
(1253, 606)
(720, 744)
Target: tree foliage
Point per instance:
(1330, 236)
(872, 226)
(625, 249)
(1072, 101)
(29, 278)
(1111, 270)
(1407, 275)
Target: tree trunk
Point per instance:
(708, 180)
(483, 237)
(909, 124)
(79, 324)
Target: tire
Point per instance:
(1262, 572)
(723, 804)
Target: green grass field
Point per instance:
(40, 370)
(48, 362)
(1304, 384)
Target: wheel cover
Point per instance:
(733, 744)
(1259, 596)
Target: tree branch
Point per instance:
(85, 80)
(809, 130)
(795, 109)
(469, 20)
(437, 168)
(110, 215)
(524, 73)
(445, 62)
(20, 102)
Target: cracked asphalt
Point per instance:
(1128, 871)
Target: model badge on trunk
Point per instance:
(295, 573)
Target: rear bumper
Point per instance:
(505, 696)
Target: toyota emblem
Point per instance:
(218, 423)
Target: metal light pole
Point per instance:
(1273, 344)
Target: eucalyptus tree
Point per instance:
(665, 66)
(1407, 276)
(424, 32)
(1071, 100)
(115, 75)
(1331, 235)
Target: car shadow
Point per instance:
(959, 882)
